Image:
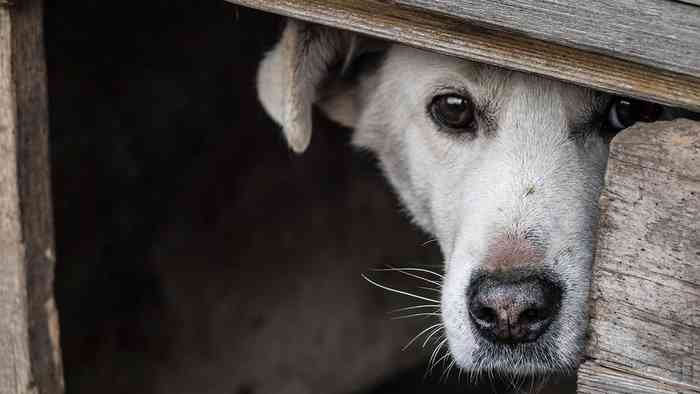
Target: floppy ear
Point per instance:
(306, 60)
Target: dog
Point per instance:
(503, 168)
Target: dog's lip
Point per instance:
(521, 359)
(538, 356)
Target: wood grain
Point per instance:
(457, 37)
(15, 373)
(596, 378)
(660, 33)
(30, 360)
(645, 315)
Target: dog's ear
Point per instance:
(311, 63)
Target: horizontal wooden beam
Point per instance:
(661, 33)
(452, 35)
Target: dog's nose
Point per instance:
(507, 310)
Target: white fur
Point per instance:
(528, 174)
(468, 192)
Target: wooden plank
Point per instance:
(453, 36)
(661, 33)
(15, 372)
(645, 315)
(29, 350)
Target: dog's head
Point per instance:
(503, 168)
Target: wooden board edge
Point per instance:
(452, 37)
(691, 2)
(595, 377)
(26, 234)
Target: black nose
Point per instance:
(513, 310)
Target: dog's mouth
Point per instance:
(533, 358)
(543, 356)
(515, 324)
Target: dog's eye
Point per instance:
(454, 112)
(625, 112)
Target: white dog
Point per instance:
(503, 168)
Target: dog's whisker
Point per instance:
(430, 289)
(428, 242)
(414, 315)
(412, 269)
(433, 357)
(398, 291)
(410, 308)
(431, 335)
(446, 372)
(406, 272)
(420, 334)
(441, 359)
(532, 387)
(513, 380)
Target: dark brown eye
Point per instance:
(625, 112)
(455, 113)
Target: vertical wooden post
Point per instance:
(645, 315)
(30, 359)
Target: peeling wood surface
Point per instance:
(30, 360)
(458, 37)
(645, 316)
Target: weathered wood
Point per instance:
(29, 350)
(660, 33)
(457, 36)
(603, 379)
(645, 316)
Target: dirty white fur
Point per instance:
(522, 171)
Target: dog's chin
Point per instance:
(542, 357)
(525, 359)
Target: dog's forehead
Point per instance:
(422, 71)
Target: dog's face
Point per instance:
(503, 168)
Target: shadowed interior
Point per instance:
(174, 194)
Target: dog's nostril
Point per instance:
(486, 315)
(533, 315)
(510, 310)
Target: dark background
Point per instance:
(172, 189)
